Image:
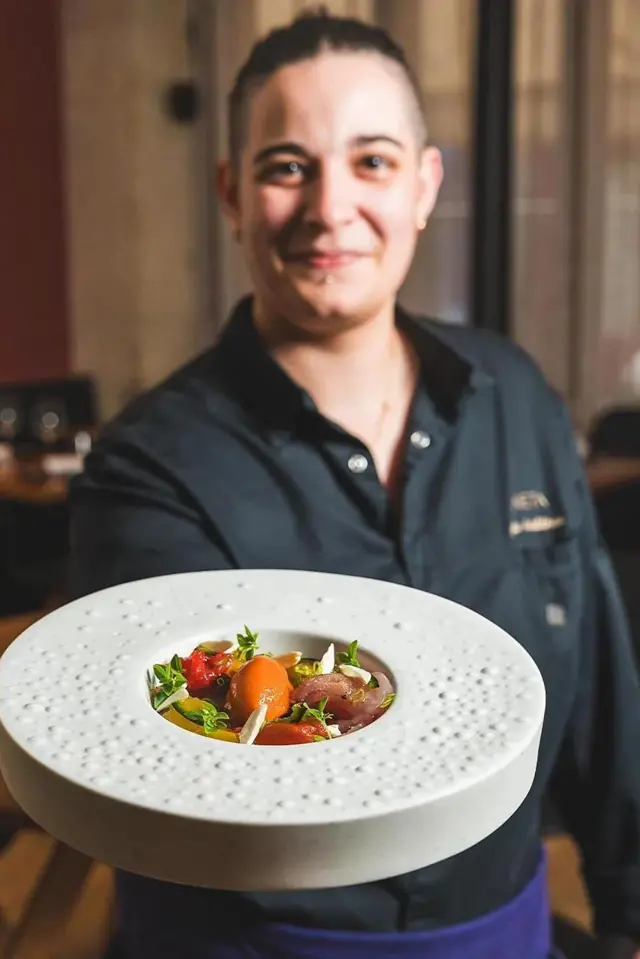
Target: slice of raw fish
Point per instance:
(384, 687)
(350, 702)
(315, 688)
(341, 692)
(368, 708)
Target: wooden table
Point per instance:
(12, 626)
(15, 486)
(10, 629)
(607, 472)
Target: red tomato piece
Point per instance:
(219, 663)
(289, 734)
(201, 670)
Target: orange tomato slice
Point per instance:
(261, 680)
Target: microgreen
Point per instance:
(247, 645)
(208, 716)
(302, 711)
(170, 677)
(350, 658)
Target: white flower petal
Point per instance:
(355, 672)
(328, 661)
(253, 725)
(181, 693)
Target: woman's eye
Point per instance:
(291, 167)
(376, 165)
(284, 171)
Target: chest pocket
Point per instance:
(550, 580)
(551, 574)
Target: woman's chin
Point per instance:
(332, 302)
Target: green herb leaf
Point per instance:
(158, 697)
(373, 683)
(170, 677)
(213, 723)
(388, 699)
(247, 645)
(296, 714)
(208, 716)
(302, 711)
(350, 658)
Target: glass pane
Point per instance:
(540, 269)
(439, 39)
(618, 348)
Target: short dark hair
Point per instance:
(312, 32)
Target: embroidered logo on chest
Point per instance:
(529, 501)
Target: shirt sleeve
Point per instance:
(596, 784)
(131, 520)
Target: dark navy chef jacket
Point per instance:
(228, 464)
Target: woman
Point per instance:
(329, 430)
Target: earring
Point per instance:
(422, 223)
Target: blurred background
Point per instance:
(116, 267)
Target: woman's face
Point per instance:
(333, 188)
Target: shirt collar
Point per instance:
(271, 395)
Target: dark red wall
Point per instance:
(33, 303)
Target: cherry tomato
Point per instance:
(220, 664)
(201, 669)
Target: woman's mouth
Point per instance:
(321, 260)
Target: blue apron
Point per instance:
(519, 929)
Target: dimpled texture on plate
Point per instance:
(73, 695)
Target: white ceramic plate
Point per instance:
(86, 756)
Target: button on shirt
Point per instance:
(420, 440)
(229, 464)
(358, 463)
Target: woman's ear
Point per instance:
(431, 176)
(228, 194)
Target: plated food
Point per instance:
(232, 691)
(447, 763)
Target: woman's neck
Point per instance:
(362, 378)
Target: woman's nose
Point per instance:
(330, 199)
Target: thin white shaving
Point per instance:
(253, 725)
(328, 661)
(355, 672)
(174, 698)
